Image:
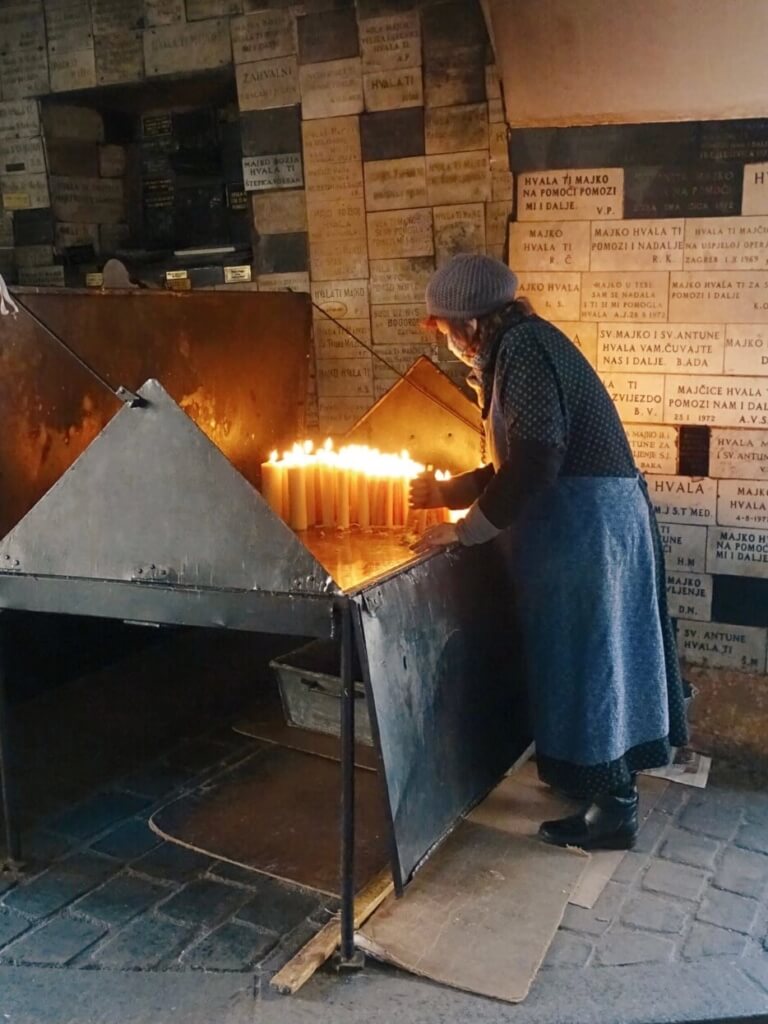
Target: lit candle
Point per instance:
(389, 502)
(363, 501)
(297, 491)
(272, 483)
(342, 498)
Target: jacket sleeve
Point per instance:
(461, 491)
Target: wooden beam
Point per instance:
(297, 972)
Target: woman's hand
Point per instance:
(425, 492)
(440, 536)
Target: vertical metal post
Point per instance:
(347, 956)
(7, 794)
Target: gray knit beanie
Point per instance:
(470, 285)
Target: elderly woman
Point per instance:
(585, 553)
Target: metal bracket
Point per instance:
(349, 965)
(9, 564)
(153, 574)
(129, 398)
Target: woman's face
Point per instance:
(461, 346)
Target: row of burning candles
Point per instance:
(354, 485)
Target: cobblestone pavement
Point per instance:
(103, 892)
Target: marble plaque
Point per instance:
(397, 325)
(280, 170)
(739, 454)
(458, 178)
(726, 243)
(549, 245)
(197, 46)
(163, 12)
(637, 245)
(342, 300)
(264, 84)
(458, 229)
(22, 156)
(341, 378)
(68, 235)
(265, 35)
(571, 195)
(42, 277)
(72, 70)
(502, 186)
(34, 255)
(25, 192)
(398, 233)
(88, 200)
(755, 195)
(333, 342)
(625, 296)
(400, 280)
(720, 401)
(68, 25)
(683, 191)
(654, 448)
(689, 596)
(24, 73)
(116, 16)
(738, 551)
(456, 129)
(111, 161)
(393, 90)
(684, 499)
(554, 296)
(337, 239)
(726, 296)
(392, 41)
(583, 335)
(746, 349)
(280, 212)
(685, 547)
(742, 503)
(395, 184)
(499, 146)
(119, 58)
(497, 222)
(333, 88)
(639, 398)
(297, 281)
(338, 415)
(661, 348)
(197, 10)
(19, 119)
(332, 161)
(399, 359)
(449, 82)
(736, 647)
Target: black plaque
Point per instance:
(155, 126)
(740, 600)
(331, 35)
(158, 193)
(206, 277)
(391, 134)
(738, 141)
(231, 150)
(237, 197)
(33, 227)
(448, 27)
(267, 132)
(694, 451)
(704, 190)
(201, 215)
(156, 161)
(159, 224)
(282, 254)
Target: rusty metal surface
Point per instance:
(235, 362)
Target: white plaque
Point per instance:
(29, 192)
(196, 46)
(746, 349)
(19, 119)
(742, 503)
(72, 70)
(459, 229)
(332, 341)
(332, 158)
(337, 239)
(739, 454)
(739, 647)
(726, 243)
(661, 348)
(262, 36)
(21, 156)
(654, 448)
(549, 245)
(720, 401)
(342, 299)
(397, 325)
(119, 58)
(279, 213)
(337, 415)
(625, 296)
(689, 596)
(502, 185)
(458, 178)
(395, 184)
(595, 194)
(116, 15)
(163, 12)
(639, 398)
(755, 198)
(332, 88)
(393, 90)
(238, 275)
(496, 222)
(554, 296)
(279, 170)
(685, 547)
(726, 296)
(68, 25)
(24, 73)
(341, 378)
(403, 280)
(298, 281)
(398, 233)
(684, 499)
(393, 41)
(637, 245)
(265, 84)
(583, 335)
(400, 358)
(738, 551)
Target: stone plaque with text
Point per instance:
(42, 277)
(265, 35)
(654, 448)
(280, 170)
(502, 186)
(583, 335)
(334, 342)
(392, 41)
(743, 140)
(736, 647)
(268, 83)
(19, 119)
(742, 503)
(34, 255)
(200, 9)
(280, 212)
(163, 12)
(68, 25)
(393, 90)
(554, 296)
(22, 156)
(684, 499)
(498, 144)
(72, 70)
(639, 398)
(720, 401)
(337, 238)
(689, 596)
(88, 200)
(25, 192)
(496, 222)
(456, 129)
(24, 73)
(338, 378)
(693, 191)
(637, 245)
(196, 46)
(685, 547)
(458, 229)
(738, 551)
(119, 58)
(333, 88)
(295, 282)
(746, 349)
(755, 198)
(458, 178)
(726, 243)
(549, 245)
(726, 296)
(342, 299)
(739, 454)
(116, 16)
(398, 233)
(452, 81)
(397, 325)
(337, 415)
(625, 296)
(332, 164)
(571, 195)
(68, 235)
(6, 230)
(661, 348)
(395, 184)
(400, 280)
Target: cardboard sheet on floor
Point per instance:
(278, 813)
(481, 913)
(520, 803)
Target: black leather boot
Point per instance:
(610, 823)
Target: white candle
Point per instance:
(297, 491)
(272, 484)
